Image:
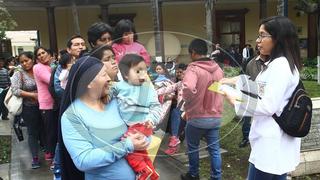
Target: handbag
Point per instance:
(12, 102)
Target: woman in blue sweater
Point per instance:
(92, 129)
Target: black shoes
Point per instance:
(244, 143)
(188, 176)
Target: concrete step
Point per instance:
(4, 171)
(316, 103)
(169, 168)
(311, 141)
(309, 164)
(182, 156)
(5, 127)
(310, 146)
(21, 162)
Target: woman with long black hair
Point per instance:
(273, 152)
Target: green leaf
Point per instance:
(7, 22)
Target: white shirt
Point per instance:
(245, 53)
(272, 150)
(63, 77)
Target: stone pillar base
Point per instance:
(309, 164)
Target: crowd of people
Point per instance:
(93, 111)
(232, 55)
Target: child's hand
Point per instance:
(139, 140)
(148, 124)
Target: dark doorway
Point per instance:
(231, 28)
(231, 34)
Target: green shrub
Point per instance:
(310, 62)
(308, 73)
(231, 71)
(5, 149)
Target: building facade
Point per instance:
(236, 22)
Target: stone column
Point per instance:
(75, 18)
(210, 22)
(105, 13)
(52, 29)
(263, 9)
(158, 30)
(282, 7)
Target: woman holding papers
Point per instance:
(274, 153)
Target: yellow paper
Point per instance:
(215, 87)
(154, 146)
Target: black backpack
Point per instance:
(295, 120)
(52, 91)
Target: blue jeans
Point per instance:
(195, 130)
(175, 118)
(32, 118)
(256, 174)
(246, 127)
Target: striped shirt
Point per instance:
(137, 104)
(4, 78)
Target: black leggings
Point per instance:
(50, 118)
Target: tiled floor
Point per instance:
(5, 127)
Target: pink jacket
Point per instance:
(199, 101)
(42, 75)
(135, 48)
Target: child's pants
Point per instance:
(139, 160)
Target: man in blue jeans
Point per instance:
(203, 109)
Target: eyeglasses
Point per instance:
(261, 36)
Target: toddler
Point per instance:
(139, 108)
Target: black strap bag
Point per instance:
(56, 104)
(295, 120)
(17, 128)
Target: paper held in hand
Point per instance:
(225, 89)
